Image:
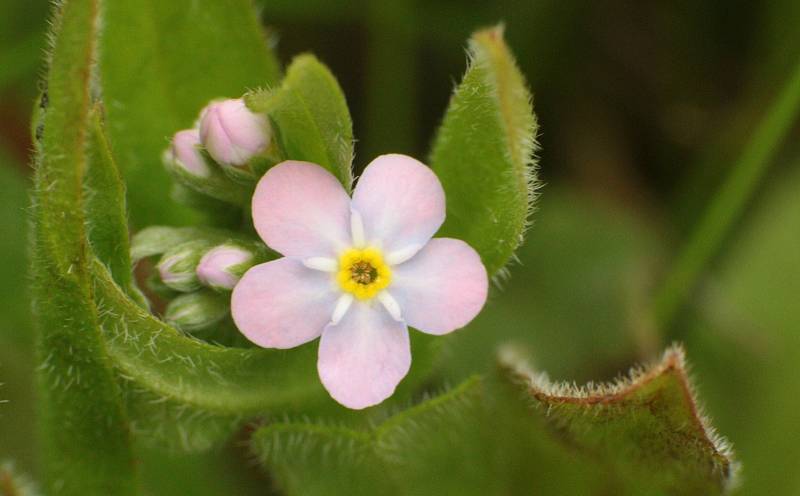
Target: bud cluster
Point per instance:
(196, 271)
(222, 155)
(218, 159)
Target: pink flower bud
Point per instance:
(223, 266)
(231, 133)
(184, 153)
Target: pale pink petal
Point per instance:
(442, 288)
(283, 304)
(364, 356)
(401, 202)
(301, 210)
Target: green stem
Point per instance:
(729, 203)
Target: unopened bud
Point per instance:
(232, 134)
(185, 154)
(223, 266)
(178, 265)
(197, 311)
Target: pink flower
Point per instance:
(356, 272)
(231, 133)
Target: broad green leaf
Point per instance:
(483, 153)
(320, 459)
(160, 63)
(80, 403)
(644, 432)
(310, 117)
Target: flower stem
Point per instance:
(728, 204)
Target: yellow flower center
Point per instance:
(363, 272)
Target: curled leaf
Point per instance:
(646, 430)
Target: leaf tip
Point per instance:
(672, 366)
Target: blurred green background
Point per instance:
(643, 109)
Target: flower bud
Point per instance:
(197, 311)
(232, 134)
(178, 265)
(184, 154)
(223, 266)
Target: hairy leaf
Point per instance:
(310, 117)
(160, 63)
(176, 426)
(514, 433)
(483, 153)
(644, 432)
(106, 214)
(80, 402)
(177, 367)
(319, 459)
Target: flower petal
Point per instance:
(401, 202)
(442, 288)
(283, 304)
(301, 210)
(364, 356)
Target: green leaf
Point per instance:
(166, 424)
(160, 63)
(310, 116)
(483, 153)
(645, 431)
(106, 214)
(179, 368)
(514, 433)
(84, 429)
(319, 459)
